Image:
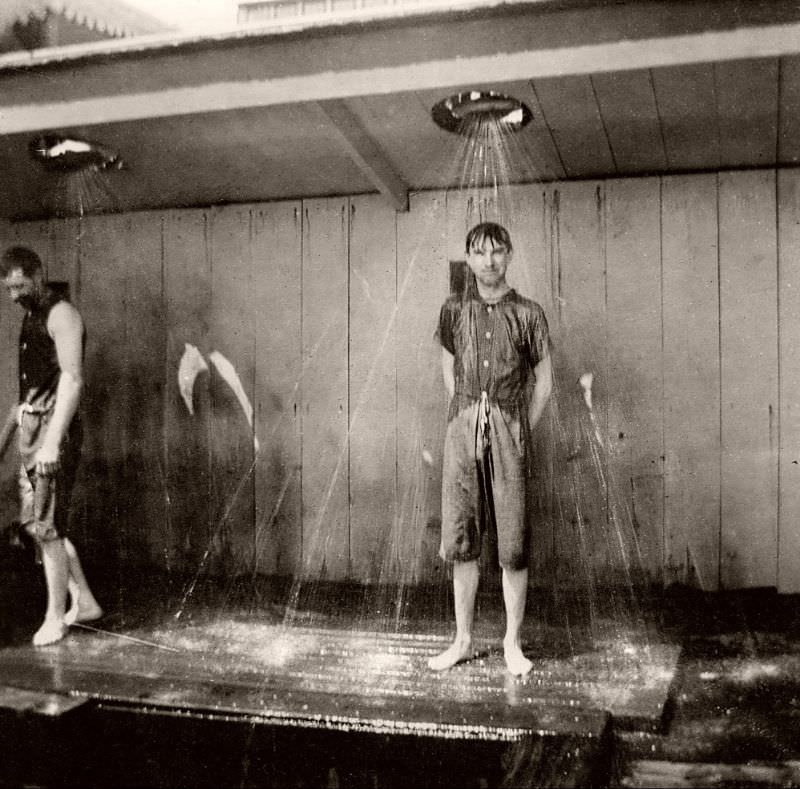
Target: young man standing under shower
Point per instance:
(497, 373)
(51, 346)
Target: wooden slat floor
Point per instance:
(251, 683)
(340, 677)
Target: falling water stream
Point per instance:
(584, 507)
(589, 602)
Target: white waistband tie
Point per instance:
(483, 422)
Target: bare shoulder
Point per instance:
(64, 317)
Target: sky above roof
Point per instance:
(191, 15)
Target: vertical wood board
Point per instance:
(749, 364)
(373, 449)
(230, 334)
(691, 380)
(277, 269)
(789, 365)
(64, 264)
(326, 541)
(633, 259)
(105, 250)
(422, 276)
(580, 468)
(146, 347)
(530, 273)
(187, 299)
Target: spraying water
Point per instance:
(585, 552)
(584, 538)
(580, 509)
(79, 170)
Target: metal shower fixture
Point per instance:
(462, 111)
(71, 154)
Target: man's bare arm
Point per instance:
(541, 390)
(447, 373)
(65, 326)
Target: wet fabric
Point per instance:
(496, 348)
(484, 486)
(39, 373)
(39, 370)
(45, 499)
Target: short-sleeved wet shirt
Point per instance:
(496, 347)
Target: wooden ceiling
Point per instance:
(642, 88)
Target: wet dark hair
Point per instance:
(20, 258)
(488, 231)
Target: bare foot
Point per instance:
(516, 662)
(457, 652)
(52, 630)
(82, 612)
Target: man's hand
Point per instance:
(47, 461)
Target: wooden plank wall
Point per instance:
(789, 365)
(230, 329)
(577, 227)
(373, 385)
(422, 275)
(185, 299)
(749, 378)
(634, 372)
(277, 237)
(691, 379)
(325, 402)
(678, 293)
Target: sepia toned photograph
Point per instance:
(399, 394)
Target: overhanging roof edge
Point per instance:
(307, 25)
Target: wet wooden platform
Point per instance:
(349, 679)
(214, 689)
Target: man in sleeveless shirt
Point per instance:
(51, 346)
(497, 373)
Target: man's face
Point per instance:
(22, 289)
(489, 262)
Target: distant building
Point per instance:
(34, 24)
(254, 11)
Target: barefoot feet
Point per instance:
(52, 630)
(81, 611)
(516, 662)
(457, 652)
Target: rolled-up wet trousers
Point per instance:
(483, 479)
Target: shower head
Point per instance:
(71, 154)
(459, 113)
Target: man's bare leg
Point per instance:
(515, 590)
(465, 587)
(56, 575)
(83, 607)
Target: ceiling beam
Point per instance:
(365, 152)
(84, 87)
